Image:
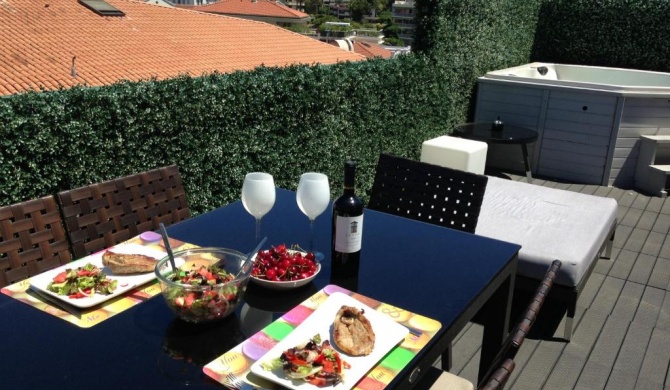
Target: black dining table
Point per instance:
(440, 273)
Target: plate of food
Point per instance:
(280, 268)
(334, 347)
(99, 277)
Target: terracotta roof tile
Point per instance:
(371, 50)
(252, 7)
(149, 41)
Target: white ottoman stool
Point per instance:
(456, 153)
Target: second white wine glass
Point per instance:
(313, 197)
(258, 196)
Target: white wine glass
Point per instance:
(313, 197)
(258, 196)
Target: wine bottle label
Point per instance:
(348, 234)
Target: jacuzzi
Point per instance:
(589, 119)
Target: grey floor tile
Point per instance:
(642, 268)
(640, 201)
(665, 209)
(590, 189)
(650, 306)
(628, 301)
(660, 275)
(603, 191)
(466, 348)
(603, 265)
(655, 204)
(632, 217)
(535, 367)
(566, 372)
(590, 290)
(621, 235)
(647, 220)
(608, 294)
(630, 357)
(654, 367)
(662, 224)
(663, 321)
(623, 264)
(636, 240)
(599, 364)
(621, 214)
(624, 198)
(653, 244)
(665, 249)
(569, 367)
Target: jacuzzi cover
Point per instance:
(549, 224)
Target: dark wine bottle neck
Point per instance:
(349, 177)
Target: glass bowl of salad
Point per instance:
(208, 285)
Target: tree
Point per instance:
(361, 8)
(313, 7)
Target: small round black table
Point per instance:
(510, 134)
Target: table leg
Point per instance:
(526, 163)
(496, 315)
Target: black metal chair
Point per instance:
(32, 239)
(428, 193)
(104, 214)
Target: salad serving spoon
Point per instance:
(168, 248)
(251, 254)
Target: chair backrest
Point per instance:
(500, 376)
(32, 239)
(104, 214)
(533, 309)
(516, 337)
(427, 192)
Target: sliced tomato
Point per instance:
(338, 360)
(318, 381)
(328, 366)
(188, 300)
(61, 277)
(83, 272)
(299, 362)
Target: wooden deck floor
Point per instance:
(622, 327)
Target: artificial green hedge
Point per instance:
(310, 118)
(615, 33)
(218, 127)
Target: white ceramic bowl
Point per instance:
(285, 285)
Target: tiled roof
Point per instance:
(252, 7)
(41, 38)
(371, 50)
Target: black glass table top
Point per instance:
(485, 132)
(436, 272)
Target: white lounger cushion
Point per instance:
(549, 224)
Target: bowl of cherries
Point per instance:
(280, 268)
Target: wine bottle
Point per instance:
(347, 232)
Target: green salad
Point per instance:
(82, 282)
(209, 298)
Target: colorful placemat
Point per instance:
(95, 315)
(237, 362)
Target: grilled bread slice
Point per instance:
(353, 333)
(121, 263)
